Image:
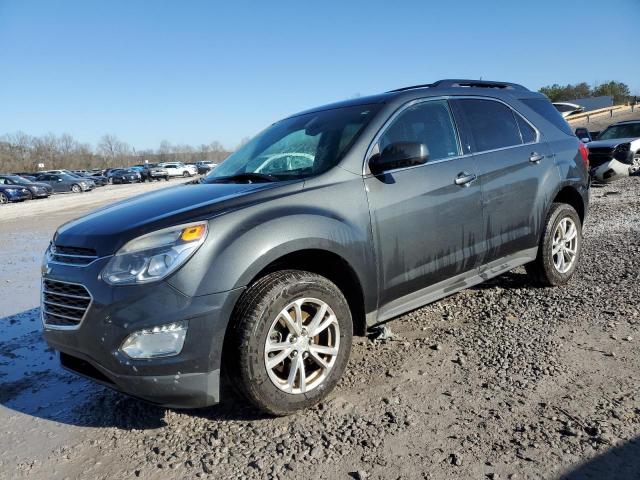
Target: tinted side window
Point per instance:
(492, 124)
(544, 108)
(528, 133)
(429, 123)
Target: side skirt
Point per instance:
(450, 286)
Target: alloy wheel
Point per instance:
(565, 245)
(302, 345)
(3, 198)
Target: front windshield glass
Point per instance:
(298, 147)
(631, 130)
(19, 180)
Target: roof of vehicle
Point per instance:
(439, 88)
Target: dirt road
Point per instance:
(499, 381)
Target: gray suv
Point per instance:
(327, 223)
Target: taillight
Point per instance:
(584, 153)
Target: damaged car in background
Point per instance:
(615, 153)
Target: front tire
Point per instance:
(3, 199)
(289, 341)
(75, 188)
(559, 249)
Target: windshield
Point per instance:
(298, 147)
(19, 180)
(631, 130)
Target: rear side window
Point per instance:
(429, 123)
(528, 133)
(545, 108)
(492, 124)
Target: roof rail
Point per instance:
(425, 85)
(478, 84)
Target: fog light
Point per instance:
(161, 341)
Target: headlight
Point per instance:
(153, 256)
(162, 341)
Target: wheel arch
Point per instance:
(331, 266)
(570, 195)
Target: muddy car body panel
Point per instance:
(399, 238)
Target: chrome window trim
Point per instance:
(42, 302)
(365, 167)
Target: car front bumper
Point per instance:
(19, 196)
(92, 349)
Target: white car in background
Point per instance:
(179, 169)
(566, 108)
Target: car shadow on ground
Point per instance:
(507, 281)
(33, 383)
(618, 463)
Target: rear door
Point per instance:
(514, 165)
(426, 228)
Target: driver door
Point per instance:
(427, 228)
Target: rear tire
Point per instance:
(560, 247)
(3, 198)
(260, 334)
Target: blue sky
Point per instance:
(197, 71)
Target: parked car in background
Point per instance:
(152, 171)
(179, 169)
(205, 166)
(97, 178)
(264, 277)
(62, 182)
(124, 176)
(615, 153)
(567, 109)
(13, 193)
(91, 183)
(36, 189)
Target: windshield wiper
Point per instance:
(248, 177)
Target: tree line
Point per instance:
(20, 152)
(562, 93)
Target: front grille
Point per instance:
(600, 155)
(64, 304)
(72, 255)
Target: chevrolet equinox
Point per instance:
(327, 223)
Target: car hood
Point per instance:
(610, 143)
(109, 228)
(38, 184)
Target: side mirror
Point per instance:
(399, 155)
(59, 179)
(585, 140)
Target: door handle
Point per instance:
(464, 179)
(535, 157)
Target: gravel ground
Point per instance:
(500, 381)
